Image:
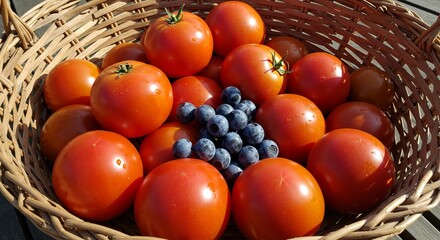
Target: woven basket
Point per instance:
(361, 32)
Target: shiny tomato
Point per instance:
(63, 125)
(180, 44)
(97, 174)
(69, 82)
(155, 148)
(321, 77)
(363, 116)
(213, 69)
(132, 99)
(234, 23)
(288, 46)
(294, 122)
(255, 69)
(370, 84)
(277, 199)
(353, 168)
(122, 52)
(197, 90)
(183, 199)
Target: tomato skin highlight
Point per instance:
(183, 199)
(277, 198)
(354, 169)
(97, 174)
(132, 104)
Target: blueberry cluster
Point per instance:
(228, 138)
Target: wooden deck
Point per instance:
(13, 226)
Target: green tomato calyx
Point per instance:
(124, 69)
(174, 18)
(279, 65)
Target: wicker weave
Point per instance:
(361, 32)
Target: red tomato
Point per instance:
(156, 147)
(321, 77)
(132, 99)
(288, 46)
(255, 69)
(122, 52)
(63, 125)
(195, 89)
(180, 44)
(183, 199)
(277, 199)
(213, 69)
(363, 116)
(97, 174)
(294, 122)
(232, 24)
(370, 84)
(354, 169)
(69, 82)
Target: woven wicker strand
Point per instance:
(360, 32)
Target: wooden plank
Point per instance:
(421, 229)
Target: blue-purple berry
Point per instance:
(237, 120)
(247, 156)
(232, 142)
(182, 148)
(204, 149)
(253, 133)
(217, 125)
(224, 109)
(268, 149)
(231, 95)
(231, 174)
(221, 159)
(185, 112)
(203, 113)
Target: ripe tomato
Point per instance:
(277, 199)
(232, 24)
(294, 122)
(63, 125)
(97, 174)
(180, 44)
(195, 89)
(183, 199)
(288, 46)
(132, 99)
(255, 69)
(370, 84)
(321, 77)
(122, 52)
(363, 116)
(156, 147)
(354, 169)
(213, 69)
(69, 82)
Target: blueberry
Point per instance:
(204, 149)
(251, 105)
(248, 155)
(224, 109)
(237, 120)
(253, 133)
(232, 142)
(231, 173)
(182, 148)
(185, 112)
(203, 113)
(244, 107)
(221, 159)
(231, 95)
(268, 149)
(217, 125)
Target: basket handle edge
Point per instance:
(10, 18)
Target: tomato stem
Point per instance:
(174, 18)
(279, 64)
(124, 69)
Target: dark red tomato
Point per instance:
(234, 23)
(132, 99)
(195, 89)
(353, 168)
(370, 84)
(255, 69)
(213, 69)
(183, 199)
(122, 52)
(69, 82)
(180, 44)
(294, 122)
(63, 125)
(156, 147)
(97, 174)
(321, 77)
(363, 116)
(288, 46)
(277, 199)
